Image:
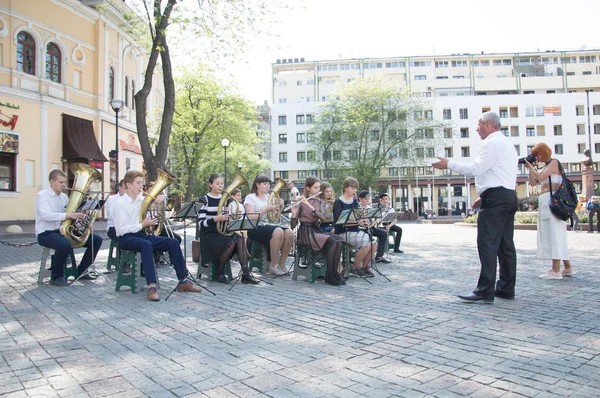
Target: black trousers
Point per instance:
(495, 230)
(595, 211)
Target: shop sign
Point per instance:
(7, 120)
(9, 143)
(130, 145)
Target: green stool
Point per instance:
(392, 234)
(113, 255)
(135, 279)
(258, 250)
(211, 271)
(69, 268)
(311, 271)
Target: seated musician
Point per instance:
(385, 200)
(276, 238)
(110, 207)
(216, 246)
(327, 197)
(164, 231)
(351, 234)
(364, 197)
(50, 205)
(132, 237)
(236, 206)
(308, 212)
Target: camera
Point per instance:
(530, 158)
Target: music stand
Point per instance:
(374, 213)
(188, 210)
(91, 205)
(390, 218)
(346, 218)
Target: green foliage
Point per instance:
(206, 112)
(523, 217)
(372, 125)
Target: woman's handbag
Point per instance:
(564, 200)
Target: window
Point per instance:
(283, 138)
(301, 156)
(126, 91)
(430, 152)
(442, 77)
(420, 153)
(282, 157)
(420, 77)
(337, 155)
(503, 113)
(111, 83)
(463, 113)
(309, 119)
(7, 172)
(310, 137)
(447, 114)
(282, 83)
(464, 152)
(448, 152)
(581, 129)
(310, 82)
(506, 62)
(132, 94)
(53, 63)
(298, 82)
(558, 149)
(300, 138)
(597, 148)
(302, 174)
(529, 111)
(580, 148)
(504, 131)
(518, 149)
(475, 63)
(464, 132)
(282, 100)
(428, 133)
(441, 64)
(353, 154)
(25, 53)
(325, 68)
(326, 155)
(403, 133)
(299, 119)
(530, 132)
(283, 175)
(458, 77)
(497, 62)
(310, 156)
(587, 59)
(394, 64)
(282, 120)
(393, 171)
(427, 94)
(459, 64)
(448, 133)
(558, 129)
(375, 135)
(429, 114)
(418, 64)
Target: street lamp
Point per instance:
(117, 106)
(225, 144)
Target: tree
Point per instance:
(223, 24)
(369, 126)
(206, 112)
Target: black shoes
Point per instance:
(358, 272)
(504, 295)
(248, 278)
(223, 279)
(88, 277)
(474, 298)
(59, 282)
(381, 259)
(368, 273)
(398, 251)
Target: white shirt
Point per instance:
(495, 166)
(294, 193)
(257, 203)
(109, 205)
(233, 208)
(127, 214)
(50, 210)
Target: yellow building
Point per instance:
(61, 62)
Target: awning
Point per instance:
(79, 140)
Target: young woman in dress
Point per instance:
(308, 213)
(351, 234)
(327, 197)
(216, 246)
(551, 231)
(276, 238)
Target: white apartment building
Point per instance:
(539, 96)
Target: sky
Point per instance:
(334, 29)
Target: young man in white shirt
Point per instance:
(50, 205)
(294, 192)
(131, 236)
(495, 171)
(110, 207)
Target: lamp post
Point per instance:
(589, 126)
(117, 106)
(225, 144)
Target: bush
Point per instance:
(527, 217)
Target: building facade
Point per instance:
(550, 96)
(61, 62)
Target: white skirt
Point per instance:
(551, 232)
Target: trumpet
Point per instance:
(289, 207)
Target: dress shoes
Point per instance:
(398, 251)
(473, 298)
(153, 294)
(88, 277)
(382, 260)
(249, 278)
(187, 286)
(223, 279)
(59, 282)
(504, 295)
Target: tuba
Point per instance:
(274, 215)
(164, 180)
(78, 231)
(237, 182)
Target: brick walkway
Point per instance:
(410, 337)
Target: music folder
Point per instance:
(91, 204)
(243, 223)
(348, 216)
(373, 212)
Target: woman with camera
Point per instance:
(551, 231)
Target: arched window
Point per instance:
(126, 91)
(25, 53)
(132, 94)
(53, 62)
(111, 83)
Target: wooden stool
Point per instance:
(311, 271)
(68, 271)
(212, 270)
(258, 250)
(136, 278)
(113, 255)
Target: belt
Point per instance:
(491, 190)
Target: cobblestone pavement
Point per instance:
(410, 337)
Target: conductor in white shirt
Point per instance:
(50, 205)
(495, 171)
(110, 208)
